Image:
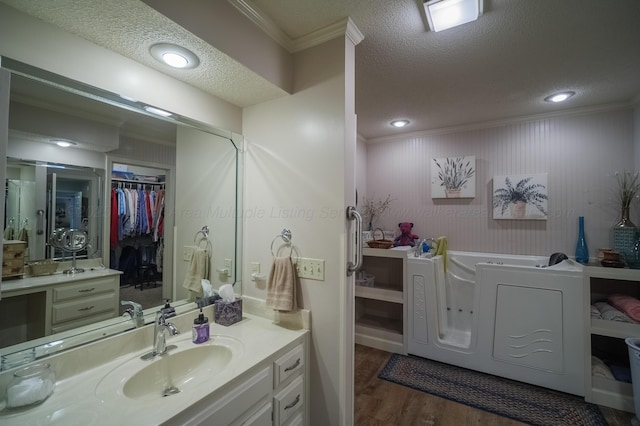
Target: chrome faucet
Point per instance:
(135, 312)
(159, 337)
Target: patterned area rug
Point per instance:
(519, 401)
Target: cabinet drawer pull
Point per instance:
(86, 290)
(291, 367)
(88, 308)
(293, 404)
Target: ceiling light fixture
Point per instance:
(63, 143)
(559, 97)
(399, 123)
(157, 111)
(444, 14)
(173, 55)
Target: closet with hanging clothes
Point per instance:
(136, 227)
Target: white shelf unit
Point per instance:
(599, 283)
(381, 317)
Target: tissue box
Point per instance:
(227, 313)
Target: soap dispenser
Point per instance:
(200, 328)
(168, 310)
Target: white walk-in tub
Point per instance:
(507, 315)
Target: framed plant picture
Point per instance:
(453, 177)
(520, 197)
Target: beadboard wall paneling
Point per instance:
(579, 153)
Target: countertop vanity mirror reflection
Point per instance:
(116, 147)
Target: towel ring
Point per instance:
(204, 231)
(286, 237)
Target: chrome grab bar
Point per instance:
(352, 214)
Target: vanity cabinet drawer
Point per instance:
(289, 401)
(297, 420)
(83, 308)
(83, 289)
(288, 365)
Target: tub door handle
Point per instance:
(352, 214)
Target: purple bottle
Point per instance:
(200, 331)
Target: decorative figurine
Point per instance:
(406, 237)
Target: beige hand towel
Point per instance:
(198, 270)
(281, 287)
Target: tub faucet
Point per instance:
(159, 337)
(418, 249)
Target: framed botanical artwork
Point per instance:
(453, 177)
(520, 197)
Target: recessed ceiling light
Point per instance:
(173, 55)
(63, 143)
(444, 14)
(399, 123)
(559, 97)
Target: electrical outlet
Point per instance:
(187, 253)
(228, 263)
(312, 269)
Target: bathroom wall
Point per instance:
(295, 173)
(580, 151)
(636, 134)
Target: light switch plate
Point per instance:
(312, 269)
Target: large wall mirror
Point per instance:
(117, 147)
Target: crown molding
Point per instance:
(502, 122)
(256, 16)
(337, 29)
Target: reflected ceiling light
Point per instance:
(173, 55)
(157, 111)
(63, 143)
(559, 97)
(444, 14)
(399, 123)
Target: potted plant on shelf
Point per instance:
(454, 175)
(517, 197)
(628, 187)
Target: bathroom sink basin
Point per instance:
(181, 369)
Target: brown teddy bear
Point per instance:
(406, 237)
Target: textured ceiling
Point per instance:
(498, 67)
(129, 27)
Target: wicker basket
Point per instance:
(382, 243)
(44, 267)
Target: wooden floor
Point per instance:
(378, 402)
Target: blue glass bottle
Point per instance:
(582, 252)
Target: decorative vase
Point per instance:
(582, 252)
(632, 257)
(625, 222)
(452, 192)
(518, 209)
(624, 233)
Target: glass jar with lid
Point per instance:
(30, 385)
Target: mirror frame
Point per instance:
(56, 343)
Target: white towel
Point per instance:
(599, 368)
(198, 270)
(281, 287)
(595, 312)
(610, 313)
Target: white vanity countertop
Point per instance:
(57, 278)
(74, 401)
